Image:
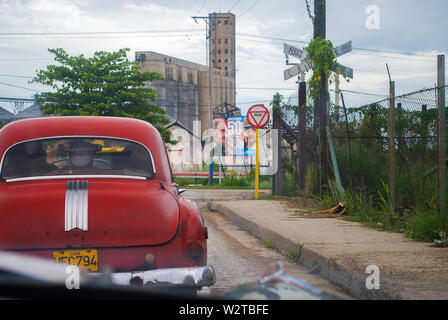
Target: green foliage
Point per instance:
(427, 226)
(268, 244)
(232, 179)
(321, 54)
(107, 84)
(188, 181)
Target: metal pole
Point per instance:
(441, 133)
(335, 162)
(277, 178)
(392, 196)
(210, 176)
(257, 163)
(348, 139)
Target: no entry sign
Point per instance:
(258, 116)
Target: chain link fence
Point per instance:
(361, 141)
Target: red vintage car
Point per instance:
(98, 192)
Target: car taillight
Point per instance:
(149, 258)
(194, 251)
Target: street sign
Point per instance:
(346, 71)
(343, 49)
(292, 72)
(306, 65)
(292, 51)
(258, 116)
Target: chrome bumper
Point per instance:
(173, 277)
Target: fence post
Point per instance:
(276, 124)
(424, 133)
(373, 133)
(399, 133)
(348, 140)
(302, 135)
(441, 133)
(391, 134)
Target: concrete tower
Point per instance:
(222, 56)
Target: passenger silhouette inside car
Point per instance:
(28, 159)
(81, 154)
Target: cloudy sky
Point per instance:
(406, 34)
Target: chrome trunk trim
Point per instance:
(171, 277)
(99, 176)
(76, 205)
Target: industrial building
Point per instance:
(191, 91)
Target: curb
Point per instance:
(351, 281)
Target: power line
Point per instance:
(185, 32)
(106, 37)
(15, 76)
(169, 85)
(248, 9)
(91, 32)
(237, 1)
(15, 86)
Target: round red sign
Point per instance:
(258, 116)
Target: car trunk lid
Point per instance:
(93, 213)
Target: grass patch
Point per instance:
(419, 223)
(268, 244)
(426, 226)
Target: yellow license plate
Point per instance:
(84, 259)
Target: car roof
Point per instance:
(96, 126)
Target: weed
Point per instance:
(268, 244)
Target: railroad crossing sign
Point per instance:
(258, 116)
(305, 63)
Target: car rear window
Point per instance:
(77, 156)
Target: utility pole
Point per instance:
(302, 132)
(210, 82)
(320, 104)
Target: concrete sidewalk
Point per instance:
(342, 250)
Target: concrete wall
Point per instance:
(184, 92)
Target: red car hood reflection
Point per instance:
(120, 213)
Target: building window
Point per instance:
(168, 73)
(226, 68)
(226, 51)
(219, 21)
(226, 40)
(219, 51)
(219, 40)
(219, 60)
(225, 21)
(226, 60)
(190, 77)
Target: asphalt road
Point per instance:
(238, 257)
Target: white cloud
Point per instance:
(260, 62)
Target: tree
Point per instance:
(107, 84)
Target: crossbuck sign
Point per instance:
(305, 63)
